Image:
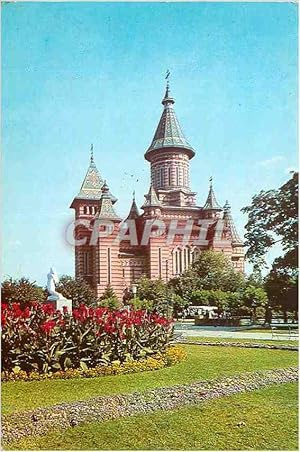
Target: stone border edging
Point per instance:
(241, 344)
(61, 416)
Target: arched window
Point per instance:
(196, 254)
(169, 175)
(161, 177)
(182, 259)
(86, 262)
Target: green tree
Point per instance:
(137, 304)
(21, 291)
(254, 298)
(282, 288)
(109, 299)
(211, 271)
(152, 290)
(273, 218)
(178, 303)
(200, 297)
(77, 290)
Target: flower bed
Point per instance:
(171, 356)
(41, 340)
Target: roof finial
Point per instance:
(133, 195)
(211, 180)
(226, 205)
(92, 153)
(168, 83)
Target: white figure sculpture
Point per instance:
(52, 279)
(60, 301)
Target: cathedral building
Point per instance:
(170, 232)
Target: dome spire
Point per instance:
(134, 211)
(92, 154)
(228, 221)
(211, 201)
(168, 133)
(168, 99)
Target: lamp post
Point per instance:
(134, 290)
(254, 306)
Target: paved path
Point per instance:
(61, 416)
(229, 333)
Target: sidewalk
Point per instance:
(228, 333)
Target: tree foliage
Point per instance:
(232, 302)
(282, 287)
(77, 290)
(211, 271)
(273, 218)
(21, 291)
(152, 290)
(254, 296)
(109, 299)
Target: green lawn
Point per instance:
(202, 363)
(269, 418)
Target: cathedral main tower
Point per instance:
(169, 154)
(119, 262)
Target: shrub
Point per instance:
(137, 303)
(77, 290)
(41, 339)
(22, 291)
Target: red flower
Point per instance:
(3, 319)
(48, 326)
(26, 313)
(48, 308)
(17, 312)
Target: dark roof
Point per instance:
(211, 201)
(134, 211)
(151, 199)
(169, 133)
(106, 208)
(92, 184)
(228, 220)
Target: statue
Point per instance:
(52, 279)
(54, 297)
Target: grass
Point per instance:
(202, 363)
(269, 418)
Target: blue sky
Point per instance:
(81, 73)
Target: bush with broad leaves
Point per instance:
(38, 338)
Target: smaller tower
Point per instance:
(152, 205)
(106, 249)
(231, 234)
(211, 208)
(134, 211)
